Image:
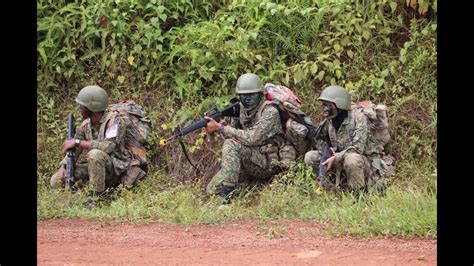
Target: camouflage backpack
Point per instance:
(378, 125)
(138, 127)
(296, 124)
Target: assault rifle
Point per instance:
(232, 110)
(70, 153)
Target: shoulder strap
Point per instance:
(265, 104)
(351, 126)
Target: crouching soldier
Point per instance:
(103, 136)
(350, 139)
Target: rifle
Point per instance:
(70, 153)
(326, 151)
(232, 110)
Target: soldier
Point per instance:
(103, 135)
(345, 158)
(254, 148)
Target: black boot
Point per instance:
(225, 192)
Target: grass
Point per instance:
(402, 212)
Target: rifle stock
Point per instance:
(70, 153)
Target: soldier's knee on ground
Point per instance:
(312, 158)
(56, 181)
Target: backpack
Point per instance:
(296, 124)
(139, 127)
(378, 124)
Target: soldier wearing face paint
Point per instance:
(254, 145)
(102, 136)
(348, 160)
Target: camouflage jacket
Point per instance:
(351, 136)
(262, 128)
(108, 136)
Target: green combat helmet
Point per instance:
(337, 95)
(93, 98)
(248, 83)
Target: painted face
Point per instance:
(250, 100)
(329, 109)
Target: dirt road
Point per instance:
(245, 242)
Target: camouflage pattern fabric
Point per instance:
(98, 170)
(109, 150)
(252, 152)
(356, 171)
(139, 128)
(358, 166)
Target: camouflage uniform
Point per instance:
(356, 164)
(254, 147)
(109, 162)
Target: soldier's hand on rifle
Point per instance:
(212, 126)
(68, 144)
(329, 162)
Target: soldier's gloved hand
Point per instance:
(329, 162)
(212, 126)
(68, 144)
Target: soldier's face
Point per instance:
(329, 109)
(250, 100)
(84, 112)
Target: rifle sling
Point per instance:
(187, 156)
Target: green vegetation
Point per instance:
(179, 58)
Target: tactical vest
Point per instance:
(278, 149)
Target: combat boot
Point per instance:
(225, 192)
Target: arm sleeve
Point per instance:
(79, 135)
(268, 126)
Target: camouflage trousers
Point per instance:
(98, 170)
(241, 164)
(354, 170)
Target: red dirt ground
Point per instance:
(78, 241)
